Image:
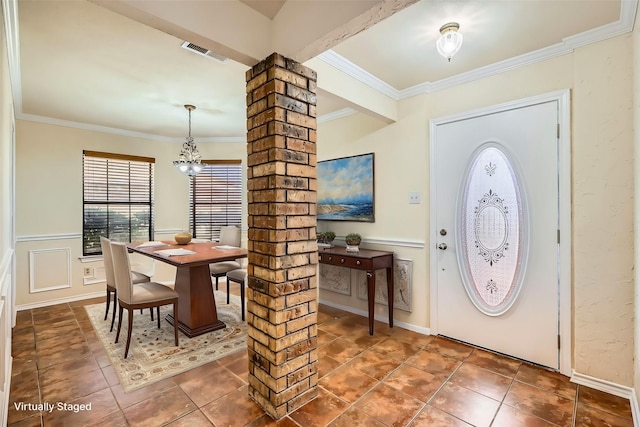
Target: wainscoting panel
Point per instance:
(49, 269)
(6, 322)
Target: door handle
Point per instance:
(442, 246)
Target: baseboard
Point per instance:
(379, 317)
(611, 388)
(59, 301)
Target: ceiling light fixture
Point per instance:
(450, 40)
(189, 161)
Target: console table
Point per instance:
(369, 261)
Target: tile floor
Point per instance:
(394, 378)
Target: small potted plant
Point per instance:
(325, 239)
(353, 242)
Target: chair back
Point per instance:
(122, 271)
(230, 235)
(108, 261)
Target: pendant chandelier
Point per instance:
(189, 160)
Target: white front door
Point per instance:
(496, 216)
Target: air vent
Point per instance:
(203, 52)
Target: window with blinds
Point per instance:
(117, 199)
(215, 198)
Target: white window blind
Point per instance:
(215, 198)
(117, 199)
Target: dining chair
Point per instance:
(142, 295)
(229, 236)
(238, 276)
(136, 278)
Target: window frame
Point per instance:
(119, 198)
(237, 195)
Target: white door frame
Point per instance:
(564, 204)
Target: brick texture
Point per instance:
(283, 255)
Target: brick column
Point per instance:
(283, 256)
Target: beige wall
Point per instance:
(599, 77)
(49, 197)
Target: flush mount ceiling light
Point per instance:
(450, 40)
(189, 160)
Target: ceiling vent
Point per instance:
(203, 52)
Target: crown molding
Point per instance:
(123, 132)
(345, 112)
(623, 25)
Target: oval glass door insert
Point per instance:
(492, 231)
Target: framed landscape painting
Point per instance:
(345, 189)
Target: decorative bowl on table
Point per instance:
(183, 238)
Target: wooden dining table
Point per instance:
(197, 312)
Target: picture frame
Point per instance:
(346, 189)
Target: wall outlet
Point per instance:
(414, 197)
(88, 271)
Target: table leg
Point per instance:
(371, 296)
(390, 294)
(197, 312)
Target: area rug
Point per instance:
(152, 354)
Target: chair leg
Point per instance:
(151, 310)
(158, 316)
(126, 349)
(242, 299)
(120, 308)
(106, 313)
(216, 283)
(175, 321)
(228, 290)
(115, 307)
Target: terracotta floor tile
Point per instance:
(240, 367)
(415, 382)
(162, 408)
(466, 405)
(389, 406)
(325, 338)
(207, 383)
(510, 417)
(267, 421)
(57, 385)
(193, 419)
(414, 338)
(348, 383)
(110, 375)
(340, 350)
(433, 417)
(605, 402)
(233, 357)
(354, 417)
(24, 388)
(433, 362)
(320, 411)
(588, 416)
(26, 336)
(449, 348)
(233, 409)
(326, 364)
(114, 419)
(128, 399)
(103, 407)
(396, 348)
(33, 421)
(497, 363)
(374, 363)
(363, 339)
(55, 330)
(547, 380)
(541, 403)
(482, 381)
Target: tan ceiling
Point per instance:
(84, 62)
